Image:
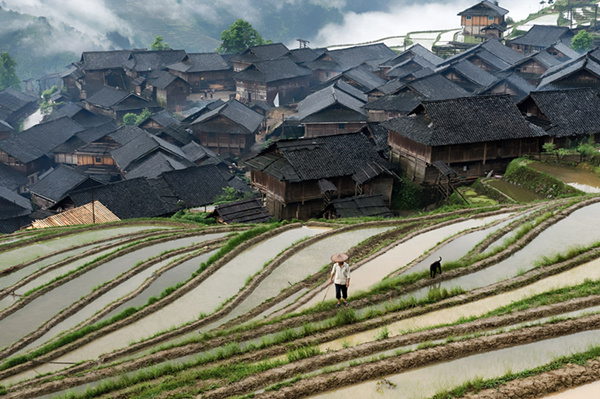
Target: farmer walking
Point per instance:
(340, 275)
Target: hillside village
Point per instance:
(298, 133)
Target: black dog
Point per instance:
(436, 267)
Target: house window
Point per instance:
(490, 18)
(468, 17)
(342, 126)
(98, 160)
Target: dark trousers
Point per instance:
(341, 290)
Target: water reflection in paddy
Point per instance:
(575, 276)
(224, 283)
(589, 391)
(517, 193)
(583, 180)
(426, 381)
(45, 307)
(32, 251)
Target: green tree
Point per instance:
(47, 107)
(582, 41)
(158, 44)
(238, 37)
(134, 119)
(8, 76)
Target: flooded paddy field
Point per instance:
(236, 312)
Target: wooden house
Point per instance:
(433, 87)
(470, 135)
(567, 115)
(411, 69)
(244, 211)
(333, 62)
(65, 153)
(12, 179)
(158, 121)
(414, 51)
(511, 84)
(14, 107)
(562, 52)
(541, 37)
(229, 129)
(269, 81)
(468, 76)
(360, 77)
(331, 111)
(204, 72)
(298, 178)
(583, 71)
(491, 55)
(95, 70)
(57, 184)
(392, 106)
(14, 211)
(485, 14)
(115, 103)
(265, 52)
(141, 63)
(534, 66)
(166, 90)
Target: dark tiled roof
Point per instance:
(141, 146)
(349, 89)
(367, 79)
(261, 53)
(92, 60)
(415, 50)
(79, 114)
(572, 112)
(542, 36)
(304, 55)
(196, 186)
(272, 70)
(142, 61)
(310, 108)
(196, 152)
(492, 46)
(354, 56)
(201, 62)
(409, 66)
(95, 133)
(11, 179)
(125, 134)
(317, 158)
(40, 139)
(486, 8)
(245, 211)
(10, 225)
(13, 204)
(177, 133)
(5, 127)
(164, 118)
(127, 199)
(587, 62)
(108, 97)
(58, 183)
(379, 137)
(361, 206)
(162, 79)
(464, 120)
(401, 102)
(154, 165)
(436, 87)
(390, 86)
(473, 73)
(566, 50)
(14, 100)
(247, 120)
(541, 57)
(520, 85)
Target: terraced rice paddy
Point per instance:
(240, 312)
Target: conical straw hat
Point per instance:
(339, 258)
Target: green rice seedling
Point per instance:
(302, 352)
(346, 344)
(383, 334)
(344, 317)
(308, 329)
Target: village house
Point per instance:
(245, 211)
(357, 207)
(14, 107)
(509, 83)
(229, 129)
(158, 121)
(165, 89)
(361, 77)
(562, 52)
(205, 72)
(65, 153)
(433, 87)
(534, 66)
(12, 179)
(567, 115)
(491, 55)
(411, 69)
(141, 63)
(583, 71)
(414, 51)
(278, 81)
(540, 37)
(392, 106)
(331, 111)
(485, 14)
(298, 178)
(265, 52)
(468, 76)
(14, 211)
(470, 135)
(57, 184)
(115, 103)
(5, 130)
(95, 70)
